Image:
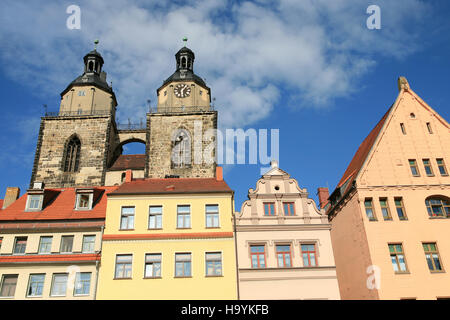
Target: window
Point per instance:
(289, 209)
(8, 285)
(269, 208)
(441, 166)
(400, 208)
(212, 216)
(1, 239)
(402, 126)
(397, 258)
(88, 243)
(84, 201)
(213, 263)
(258, 256)
(309, 255)
(385, 209)
(34, 202)
(414, 169)
(181, 151)
(153, 265)
(82, 284)
(155, 217)
(72, 155)
(35, 285)
(369, 209)
(59, 285)
(430, 130)
(20, 245)
(284, 256)
(127, 218)
(81, 93)
(183, 216)
(428, 169)
(182, 265)
(412, 115)
(45, 244)
(123, 266)
(432, 255)
(66, 244)
(438, 207)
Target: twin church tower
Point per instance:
(81, 145)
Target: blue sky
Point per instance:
(311, 69)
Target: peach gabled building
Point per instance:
(283, 243)
(390, 212)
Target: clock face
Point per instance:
(182, 90)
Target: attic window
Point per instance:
(84, 199)
(34, 202)
(412, 115)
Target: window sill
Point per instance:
(122, 278)
(126, 229)
(154, 229)
(57, 296)
(404, 272)
(438, 217)
(82, 295)
(184, 228)
(32, 297)
(213, 276)
(437, 271)
(182, 277)
(152, 278)
(212, 227)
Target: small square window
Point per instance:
(84, 201)
(66, 244)
(34, 202)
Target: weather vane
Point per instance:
(96, 43)
(185, 39)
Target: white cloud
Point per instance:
(250, 53)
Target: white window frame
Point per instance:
(39, 208)
(93, 244)
(218, 216)
(155, 215)
(221, 264)
(40, 242)
(75, 285)
(78, 198)
(53, 285)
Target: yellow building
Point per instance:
(169, 239)
(390, 211)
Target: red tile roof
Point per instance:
(1, 204)
(172, 185)
(60, 207)
(129, 161)
(363, 151)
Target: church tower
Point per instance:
(182, 135)
(74, 143)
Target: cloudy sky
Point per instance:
(310, 68)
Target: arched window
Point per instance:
(438, 206)
(72, 155)
(181, 151)
(183, 62)
(91, 66)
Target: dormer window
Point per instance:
(34, 200)
(84, 199)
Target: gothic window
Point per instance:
(72, 155)
(181, 151)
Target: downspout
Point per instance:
(235, 244)
(97, 263)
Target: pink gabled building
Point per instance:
(283, 243)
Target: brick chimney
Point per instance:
(128, 176)
(323, 194)
(11, 195)
(219, 173)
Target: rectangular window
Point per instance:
(414, 169)
(20, 245)
(66, 244)
(213, 263)
(182, 265)
(385, 209)
(369, 209)
(309, 255)
(153, 265)
(82, 284)
(123, 266)
(398, 258)
(34, 202)
(441, 166)
(59, 285)
(400, 208)
(83, 201)
(35, 285)
(155, 217)
(183, 216)
(289, 209)
(428, 168)
(258, 256)
(402, 126)
(269, 208)
(432, 255)
(88, 244)
(127, 218)
(212, 216)
(284, 256)
(45, 245)
(430, 130)
(8, 285)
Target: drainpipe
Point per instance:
(235, 245)
(97, 263)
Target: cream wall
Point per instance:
(167, 98)
(93, 99)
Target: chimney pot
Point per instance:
(128, 176)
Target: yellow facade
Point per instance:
(167, 241)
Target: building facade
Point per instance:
(390, 211)
(50, 243)
(169, 239)
(283, 243)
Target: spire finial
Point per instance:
(185, 39)
(96, 43)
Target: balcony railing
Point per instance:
(78, 113)
(182, 109)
